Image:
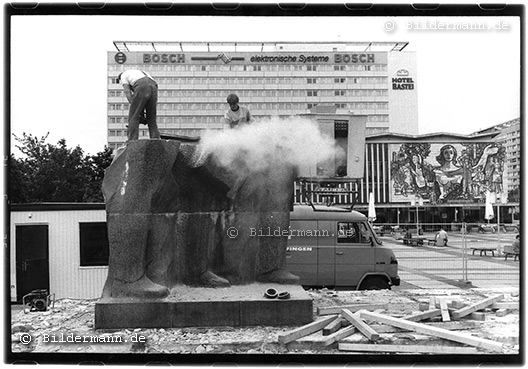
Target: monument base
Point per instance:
(235, 306)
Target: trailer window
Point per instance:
(350, 232)
(94, 244)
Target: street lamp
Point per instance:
(499, 200)
(417, 201)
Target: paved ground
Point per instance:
(431, 266)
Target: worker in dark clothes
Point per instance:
(142, 93)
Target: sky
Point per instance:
(466, 80)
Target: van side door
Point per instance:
(326, 257)
(355, 253)
(301, 252)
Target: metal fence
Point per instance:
(475, 253)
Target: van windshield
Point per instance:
(374, 234)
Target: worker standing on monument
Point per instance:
(237, 115)
(141, 91)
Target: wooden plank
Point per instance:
(305, 330)
(443, 309)
(423, 306)
(434, 331)
(457, 304)
(365, 347)
(432, 304)
(361, 326)
(452, 326)
(352, 308)
(333, 326)
(477, 306)
(416, 317)
(339, 335)
(477, 316)
(514, 305)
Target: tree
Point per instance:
(97, 164)
(55, 173)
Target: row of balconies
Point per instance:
(260, 99)
(275, 99)
(263, 112)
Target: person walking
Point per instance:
(237, 115)
(141, 91)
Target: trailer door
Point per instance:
(32, 266)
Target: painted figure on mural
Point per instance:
(467, 180)
(448, 175)
(493, 172)
(460, 178)
(402, 173)
(418, 171)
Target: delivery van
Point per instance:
(335, 247)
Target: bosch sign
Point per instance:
(120, 58)
(354, 58)
(163, 58)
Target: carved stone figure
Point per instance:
(171, 210)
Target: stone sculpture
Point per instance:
(170, 207)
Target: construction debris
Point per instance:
(327, 334)
(337, 336)
(333, 326)
(415, 349)
(423, 316)
(305, 330)
(443, 309)
(475, 307)
(362, 321)
(505, 305)
(352, 308)
(433, 331)
(361, 326)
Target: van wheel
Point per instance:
(375, 283)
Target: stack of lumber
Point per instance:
(339, 322)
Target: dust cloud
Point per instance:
(270, 142)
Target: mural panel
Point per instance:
(442, 173)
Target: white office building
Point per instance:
(375, 79)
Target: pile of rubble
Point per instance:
(345, 322)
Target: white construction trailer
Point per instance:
(60, 247)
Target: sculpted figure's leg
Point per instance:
(199, 244)
(128, 237)
(271, 257)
